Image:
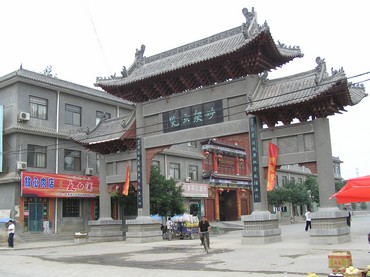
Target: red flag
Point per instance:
(271, 171)
(127, 181)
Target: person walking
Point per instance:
(11, 232)
(308, 219)
(203, 229)
(348, 217)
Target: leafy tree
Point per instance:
(48, 71)
(129, 202)
(277, 197)
(165, 198)
(339, 185)
(312, 188)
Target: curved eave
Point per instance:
(253, 56)
(330, 99)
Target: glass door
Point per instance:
(35, 217)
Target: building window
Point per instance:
(175, 171)
(72, 160)
(38, 107)
(292, 179)
(155, 164)
(36, 156)
(193, 172)
(285, 180)
(300, 181)
(192, 144)
(73, 115)
(100, 116)
(71, 207)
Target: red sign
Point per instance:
(58, 185)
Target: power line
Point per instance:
(75, 145)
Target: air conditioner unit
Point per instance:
(23, 116)
(188, 179)
(89, 171)
(21, 166)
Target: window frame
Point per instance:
(35, 154)
(35, 101)
(71, 207)
(175, 170)
(71, 111)
(193, 170)
(76, 163)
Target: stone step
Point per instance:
(34, 237)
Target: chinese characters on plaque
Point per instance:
(194, 116)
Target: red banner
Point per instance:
(127, 181)
(39, 184)
(271, 171)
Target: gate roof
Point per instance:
(235, 53)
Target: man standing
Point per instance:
(203, 229)
(308, 219)
(169, 227)
(11, 231)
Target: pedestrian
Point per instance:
(203, 229)
(348, 217)
(11, 231)
(308, 219)
(169, 227)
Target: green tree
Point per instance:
(129, 202)
(277, 197)
(165, 197)
(312, 187)
(48, 71)
(339, 185)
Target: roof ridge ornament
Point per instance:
(321, 70)
(250, 26)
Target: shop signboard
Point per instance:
(38, 184)
(194, 189)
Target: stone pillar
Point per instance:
(328, 223)
(105, 228)
(260, 226)
(143, 228)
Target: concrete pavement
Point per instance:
(294, 256)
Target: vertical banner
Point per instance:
(1, 137)
(255, 159)
(139, 174)
(271, 171)
(127, 181)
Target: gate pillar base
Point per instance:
(260, 228)
(329, 226)
(142, 229)
(105, 229)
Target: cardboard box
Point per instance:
(338, 259)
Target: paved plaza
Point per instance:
(293, 256)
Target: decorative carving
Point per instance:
(139, 56)
(263, 76)
(124, 72)
(250, 25)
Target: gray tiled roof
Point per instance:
(209, 48)
(106, 130)
(42, 78)
(298, 88)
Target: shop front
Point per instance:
(195, 195)
(54, 203)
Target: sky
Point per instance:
(84, 39)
